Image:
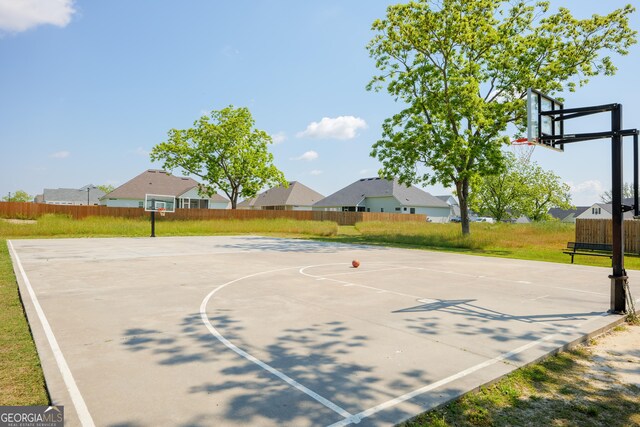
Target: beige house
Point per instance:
(296, 197)
(153, 181)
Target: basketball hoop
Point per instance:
(162, 211)
(523, 148)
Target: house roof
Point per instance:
(73, 194)
(297, 194)
(155, 181)
(563, 213)
(445, 198)
(353, 194)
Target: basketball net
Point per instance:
(162, 211)
(523, 149)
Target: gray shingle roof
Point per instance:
(72, 195)
(353, 194)
(296, 194)
(154, 181)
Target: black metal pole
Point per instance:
(636, 208)
(618, 278)
(153, 223)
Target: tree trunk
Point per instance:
(462, 188)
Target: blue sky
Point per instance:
(87, 88)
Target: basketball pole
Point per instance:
(153, 223)
(636, 208)
(619, 276)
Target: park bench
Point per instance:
(589, 249)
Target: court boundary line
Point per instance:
(356, 418)
(76, 397)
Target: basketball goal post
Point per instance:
(545, 127)
(158, 203)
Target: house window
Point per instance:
(397, 209)
(412, 210)
(381, 209)
(405, 209)
(140, 204)
(596, 211)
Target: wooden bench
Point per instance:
(589, 249)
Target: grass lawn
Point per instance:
(551, 386)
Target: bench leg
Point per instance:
(572, 255)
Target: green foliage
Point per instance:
(461, 68)
(18, 196)
(107, 188)
(226, 151)
(522, 188)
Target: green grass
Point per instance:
(555, 392)
(21, 379)
(63, 226)
(539, 242)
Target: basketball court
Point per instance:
(235, 331)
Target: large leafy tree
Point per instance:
(461, 69)
(521, 188)
(225, 151)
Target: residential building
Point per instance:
(295, 197)
(186, 191)
(383, 195)
(567, 215)
(87, 195)
(604, 210)
(453, 205)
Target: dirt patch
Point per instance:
(20, 221)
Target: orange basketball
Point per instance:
(355, 263)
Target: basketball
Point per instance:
(355, 263)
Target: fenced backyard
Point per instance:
(36, 210)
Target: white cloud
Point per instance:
(315, 172)
(60, 154)
(308, 156)
(343, 127)
(279, 137)
(21, 15)
(587, 192)
(141, 152)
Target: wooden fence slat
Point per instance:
(36, 210)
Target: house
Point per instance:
(567, 215)
(453, 205)
(296, 197)
(383, 195)
(87, 195)
(603, 211)
(186, 191)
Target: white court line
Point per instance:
(72, 387)
(203, 314)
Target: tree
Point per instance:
(498, 196)
(627, 193)
(18, 196)
(521, 188)
(462, 67)
(542, 191)
(107, 188)
(225, 151)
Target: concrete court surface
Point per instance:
(230, 331)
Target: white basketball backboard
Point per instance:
(539, 126)
(158, 202)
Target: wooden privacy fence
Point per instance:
(600, 230)
(36, 210)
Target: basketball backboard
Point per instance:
(157, 202)
(540, 126)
